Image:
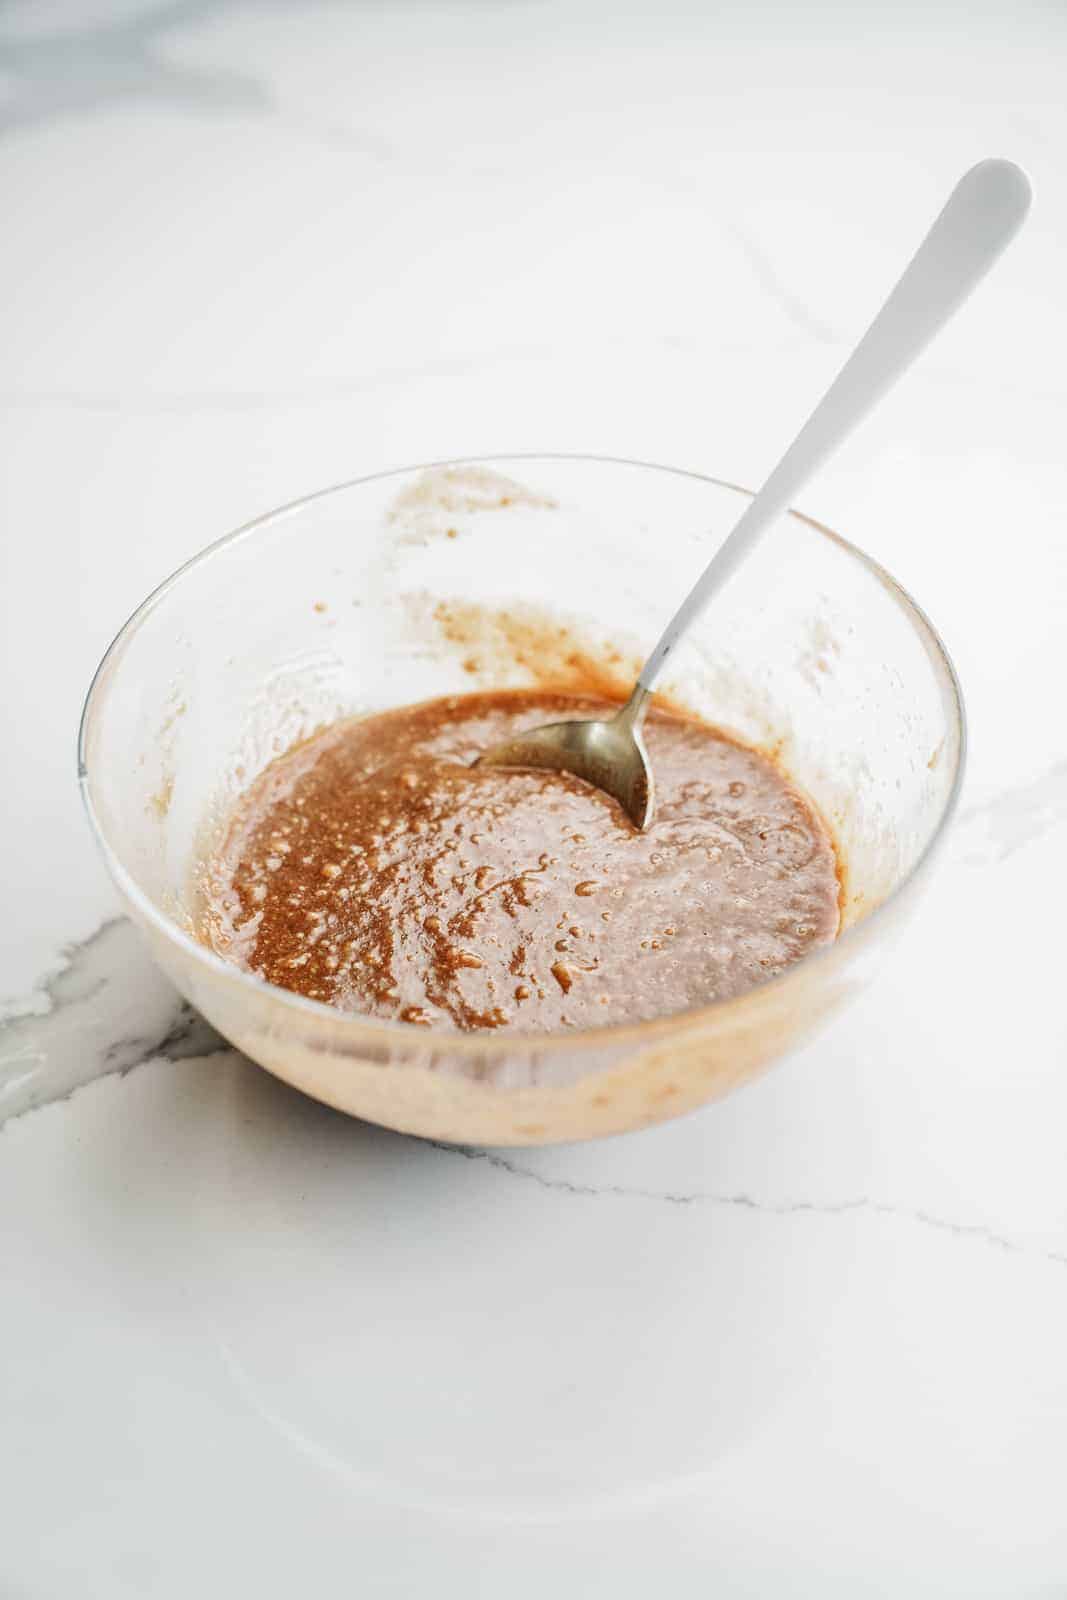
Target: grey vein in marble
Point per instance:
(791, 307)
(108, 1009)
(327, 392)
(783, 1208)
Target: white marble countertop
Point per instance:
(812, 1341)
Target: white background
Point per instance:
(809, 1342)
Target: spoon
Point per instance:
(981, 216)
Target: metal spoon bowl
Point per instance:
(610, 754)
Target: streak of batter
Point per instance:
(375, 869)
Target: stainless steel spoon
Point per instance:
(982, 215)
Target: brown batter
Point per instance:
(375, 869)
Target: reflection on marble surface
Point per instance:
(76, 63)
(998, 827)
(808, 1342)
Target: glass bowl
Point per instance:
(510, 572)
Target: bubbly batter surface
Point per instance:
(375, 869)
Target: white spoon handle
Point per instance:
(982, 215)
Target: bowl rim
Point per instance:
(353, 1024)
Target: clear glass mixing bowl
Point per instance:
(526, 570)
